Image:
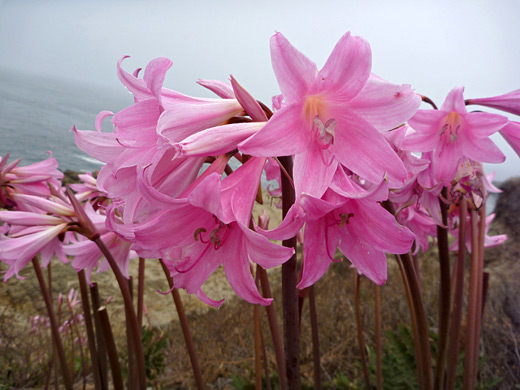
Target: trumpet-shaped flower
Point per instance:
(361, 228)
(333, 116)
(452, 133)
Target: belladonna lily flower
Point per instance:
(511, 133)
(452, 133)
(30, 233)
(361, 228)
(209, 228)
(333, 116)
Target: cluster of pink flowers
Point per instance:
(167, 191)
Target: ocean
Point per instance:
(37, 115)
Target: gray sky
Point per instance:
(432, 45)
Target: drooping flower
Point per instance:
(333, 116)
(452, 133)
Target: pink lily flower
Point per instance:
(452, 133)
(509, 102)
(211, 228)
(29, 234)
(361, 228)
(333, 116)
(33, 179)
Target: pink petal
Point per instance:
(313, 170)
(154, 75)
(247, 101)
(385, 105)
(376, 226)
(285, 134)
(482, 150)
(239, 190)
(483, 124)
(44, 204)
(207, 196)
(136, 125)
(186, 118)
(363, 150)
(344, 185)
(509, 102)
(100, 117)
(347, 69)
(367, 260)
(455, 101)
(25, 218)
(319, 250)
(102, 146)
(264, 252)
(427, 124)
(294, 71)
(511, 133)
(238, 270)
(224, 90)
(217, 140)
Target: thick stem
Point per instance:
(140, 292)
(359, 325)
(67, 379)
(444, 292)
(274, 327)
(413, 318)
(379, 346)
(469, 358)
(458, 301)
(185, 330)
(425, 379)
(291, 326)
(101, 346)
(90, 329)
(480, 296)
(130, 312)
(422, 324)
(258, 348)
(315, 339)
(117, 377)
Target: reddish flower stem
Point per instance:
(359, 323)
(413, 318)
(291, 327)
(444, 292)
(315, 339)
(117, 377)
(258, 348)
(199, 381)
(67, 379)
(458, 301)
(90, 329)
(101, 346)
(130, 313)
(140, 292)
(274, 327)
(423, 342)
(379, 346)
(469, 357)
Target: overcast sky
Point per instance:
(432, 45)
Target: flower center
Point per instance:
(450, 129)
(216, 236)
(345, 217)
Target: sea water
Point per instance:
(37, 115)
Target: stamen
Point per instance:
(324, 132)
(345, 217)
